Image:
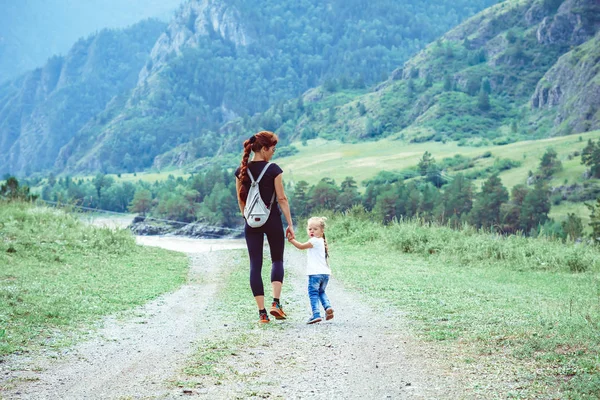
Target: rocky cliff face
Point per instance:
(577, 72)
(197, 18)
(575, 22)
(571, 90)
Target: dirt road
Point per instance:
(365, 352)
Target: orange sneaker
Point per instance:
(264, 318)
(277, 311)
(328, 314)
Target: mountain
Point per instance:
(31, 31)
(42, 110)
(519, 70)
(220, 60)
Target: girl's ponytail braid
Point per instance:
(326, 247)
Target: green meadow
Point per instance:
(336, 160)
(59, 276)
(319, 158)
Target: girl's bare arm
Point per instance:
(301, 246)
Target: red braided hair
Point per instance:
(255, 144)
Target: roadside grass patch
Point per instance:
(60, 276)
(523, 303)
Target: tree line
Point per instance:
(425, 192)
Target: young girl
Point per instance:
(317, 268)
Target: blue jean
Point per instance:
(316, 293)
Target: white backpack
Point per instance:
(256, 211)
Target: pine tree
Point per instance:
(369, 199)
(458, 197)
(447, 83)
(430, 198)
(428, 81)
(536, 206)
(324, 195)
(299, 199)
(473, 85)
(362, 110)
(425, 162)
(349, 195)
(483, 101)
(510, 211)
(549, 164)
(595, 220)
(486, 207)
(385, 207)
(572, 226)
(486, 86)
(141, 203)
(590, 156)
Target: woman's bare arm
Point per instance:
(283, 202)
(238, 185)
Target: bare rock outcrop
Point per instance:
(575, 22)
(197, 18)
(576, 72)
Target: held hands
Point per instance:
(289, 233)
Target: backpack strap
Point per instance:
(259, 178)
(262, 172)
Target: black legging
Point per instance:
(273, 228)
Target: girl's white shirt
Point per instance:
(316, 263)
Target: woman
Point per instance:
(263, 145)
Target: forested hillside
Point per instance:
(520, 70)
(222, 60)
(42, 110)
(31, 31)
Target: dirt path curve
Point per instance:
(364, 353)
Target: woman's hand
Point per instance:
(289, 232)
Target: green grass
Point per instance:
(512, 307)
(59, 274)
(362, 161)
(333, 159)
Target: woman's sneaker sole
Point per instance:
(314, 320)
(277, 311)
(328, 314)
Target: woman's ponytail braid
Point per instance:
(254, 144)
(244, 178)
